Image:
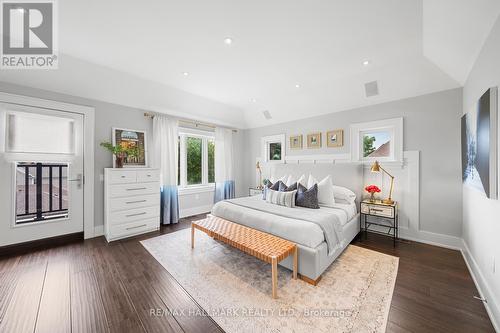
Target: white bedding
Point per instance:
(289, 223)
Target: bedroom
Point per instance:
(216, 175)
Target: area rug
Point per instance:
(354, 294)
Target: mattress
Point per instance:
(288, 223)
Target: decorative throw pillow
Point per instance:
(325, 190)
(291, 180)
(286, 199)
(275, 180)
(284, 188)
(274, 187)
(307, 197)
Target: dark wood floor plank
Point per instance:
(177, 300)
(145, 299)
(54, 315)
(22, 310)
(120, 312)
(87, 309)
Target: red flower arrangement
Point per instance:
(372, 189)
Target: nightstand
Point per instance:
(254, 191)
(386, 217)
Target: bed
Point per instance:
(321, 234)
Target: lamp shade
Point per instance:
(375, 167)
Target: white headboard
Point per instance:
(348, 175)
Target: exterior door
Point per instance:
(41, 173)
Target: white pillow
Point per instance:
(344, 194)
(275, 180)
(301, 180)
(286, 199)
(325, 189)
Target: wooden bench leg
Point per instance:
(295, 262)
(274, 274)
(192, 236)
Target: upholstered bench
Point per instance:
(261, 245)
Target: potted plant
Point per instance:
(120, 152)
(372, 189)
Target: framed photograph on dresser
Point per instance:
(134, 139)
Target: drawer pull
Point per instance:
(123, 176)
(136, 189)
(138, 214)
(137, 226)
(149, 175)
(137, 201)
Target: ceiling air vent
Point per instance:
(267, 114)
(371, 89)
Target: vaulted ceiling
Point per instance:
(294, 58)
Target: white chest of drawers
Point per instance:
(131, 202)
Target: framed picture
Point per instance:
(335, 138)
(273, 148)
(296, 142)
(479, 145)
(131, 139)
(314, 140)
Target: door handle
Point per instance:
(78, 179)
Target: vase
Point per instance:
(372, 196)
(119, 161)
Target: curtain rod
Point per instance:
(189, 121)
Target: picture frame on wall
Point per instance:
(296, 141)
(335, 138)
(133, 139)
(314, 140)
(480, 145)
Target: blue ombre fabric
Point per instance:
(169, 205)
(224, 190)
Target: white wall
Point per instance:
(431, 126)
(108, 115)
(481, 216)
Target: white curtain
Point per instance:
(224, 175)
(165, 157)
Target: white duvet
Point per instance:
(305, 226)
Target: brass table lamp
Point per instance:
(260, 176)
(376, 168)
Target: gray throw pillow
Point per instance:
(274, 187)
(307, 197)
(284, 188)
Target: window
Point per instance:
(377, 140)
(196, 159)
(41, 191)
(377, 144)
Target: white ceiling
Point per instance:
(135, 53)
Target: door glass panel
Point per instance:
(41, 191)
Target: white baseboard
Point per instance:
(431, 238)
(482, 286)
(195, 210)
(98, 231)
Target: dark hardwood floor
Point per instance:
(92, 286)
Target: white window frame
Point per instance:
(205, 186)
(394, 126)
(267, 140)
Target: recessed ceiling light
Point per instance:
(228, 41)
(366, 62)
(185, 73)
(254, 100)
(297, 85)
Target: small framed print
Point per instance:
(314, 140)
(335, 138)
(296, 142)
(131, 139)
